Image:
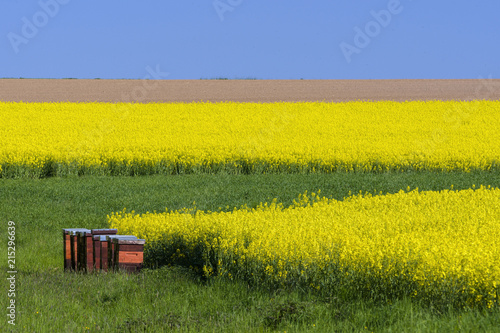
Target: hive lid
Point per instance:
(73, 231)
(121, 236)
(104, 231)
(129, 241)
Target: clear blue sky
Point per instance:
(264, 39)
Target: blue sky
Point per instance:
(273, 39)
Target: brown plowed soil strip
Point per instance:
(73, 90)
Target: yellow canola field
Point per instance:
(428, 245)
(47, 139)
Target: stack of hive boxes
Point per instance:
(101, 249)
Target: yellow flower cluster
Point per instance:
(413, 243)
(46, 139)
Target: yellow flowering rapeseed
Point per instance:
(428, 245)
(44, 139)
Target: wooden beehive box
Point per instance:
(67, 247)
(96, 245)
(128, 254)
(97, 234)
(103, 242)
(111, 247)
(70, 250)
(85, 251)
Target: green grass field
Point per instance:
(175, 299)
